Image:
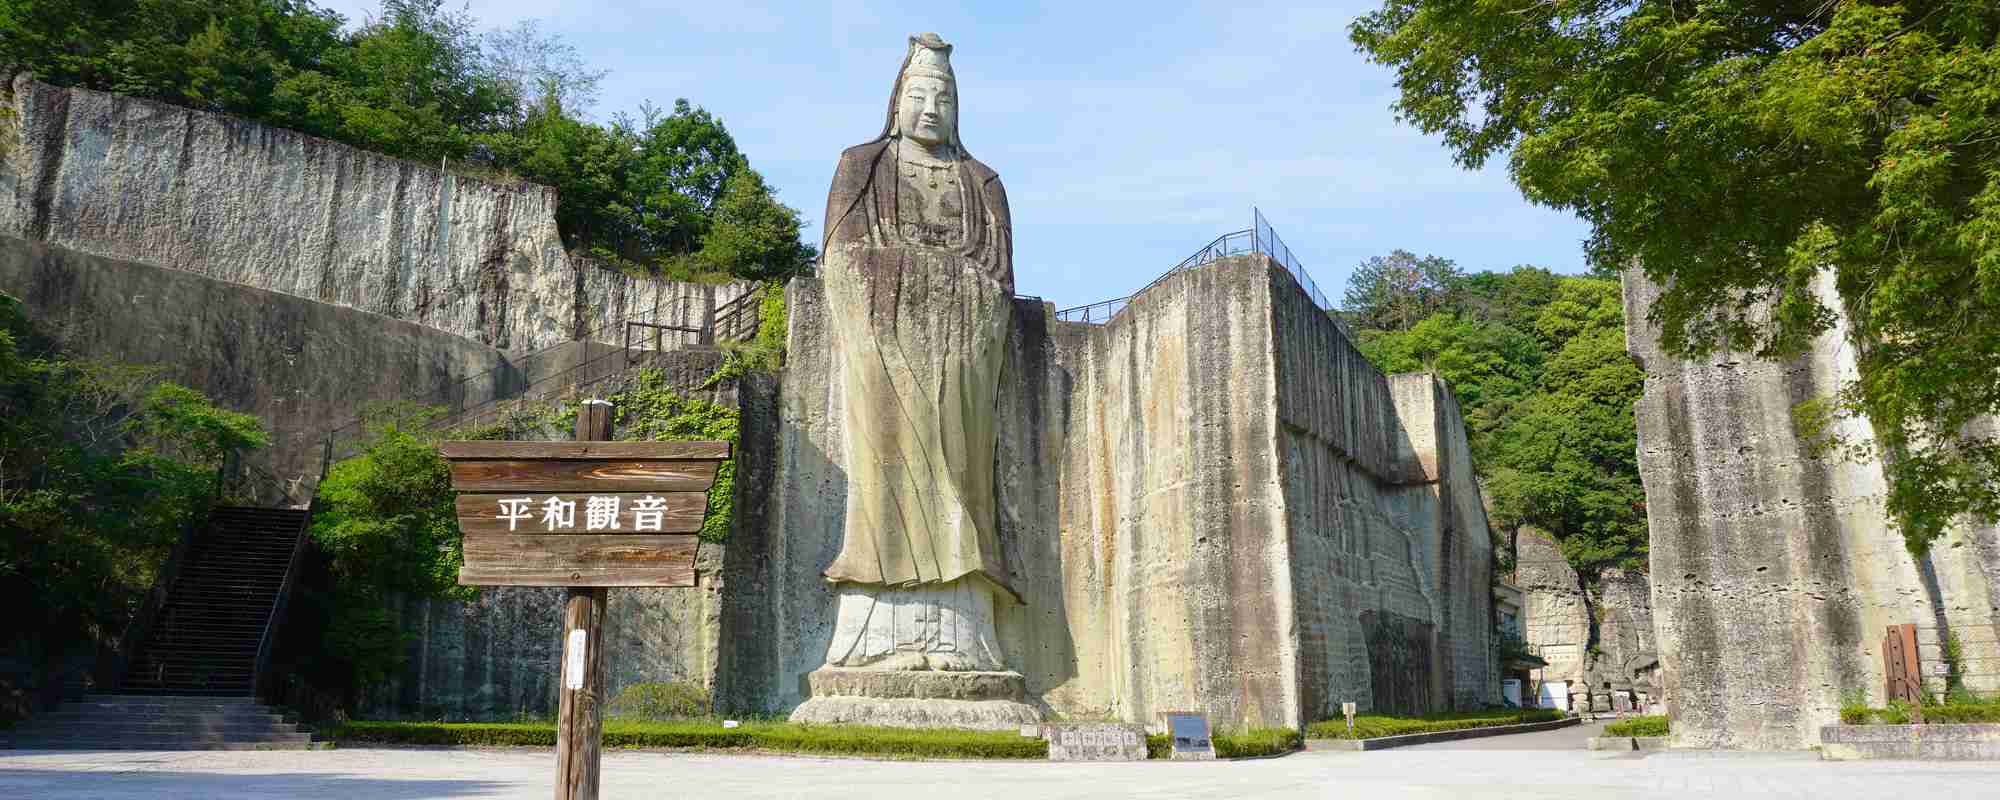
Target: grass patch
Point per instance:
(1372, 726)
(785, 737)
(1638, 726)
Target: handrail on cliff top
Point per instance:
(1260, 237)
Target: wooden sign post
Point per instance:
(585, 515)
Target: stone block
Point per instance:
(1095, 741)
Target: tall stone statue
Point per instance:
(919, 280)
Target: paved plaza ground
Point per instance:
(1545, 765)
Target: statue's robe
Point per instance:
(919, 290)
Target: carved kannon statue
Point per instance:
(919, 279)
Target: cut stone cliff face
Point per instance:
(292, 277)
(251, 204)
(1596, 635)
(1211, 502)
(1775, 571)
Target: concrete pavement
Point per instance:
(1432, 771)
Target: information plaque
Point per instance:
(1189, 730)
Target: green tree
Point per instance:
(682, 162)
(1490, 366)
(753, 235)
(1734, 151)
(102, 466)
(386, 524)
(1395, 291)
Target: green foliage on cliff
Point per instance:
(102, 467)
(649, 409)
(669, 193)
(1734, 150)
(1538, 363)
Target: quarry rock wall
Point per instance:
(1775, 571)
(1182, 535)
(1391, 568)
(256, 205)
(300, 366)
(496, 656)
(1597, 635)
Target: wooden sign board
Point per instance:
(581, 513)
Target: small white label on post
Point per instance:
(573, 660)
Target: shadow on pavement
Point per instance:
(115, 785)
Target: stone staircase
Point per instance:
(191, 683)
(206, 637)
(159, 722)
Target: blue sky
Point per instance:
(1128, 134)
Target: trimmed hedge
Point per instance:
(780, 736)
(1638, 726)
(1948, 714)
(710, 735)
(1253, 743)
(1372, 726)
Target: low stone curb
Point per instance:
(1628, 743)
(1978, 742)
(1407, 739)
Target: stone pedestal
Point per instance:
(917, 699)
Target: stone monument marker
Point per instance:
(919, 276)
(1096, 741)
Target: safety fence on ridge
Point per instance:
(1260, 237)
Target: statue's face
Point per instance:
(928, 110)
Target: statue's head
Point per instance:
(925, 106)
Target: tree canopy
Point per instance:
(419, 81)
(1538, 363)
(1735, 150)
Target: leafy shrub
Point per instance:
(1371, 726)
(1638, 726)
(1962, 713)
(1897, 713)
(1256, 742)
(659, 701)
(1854, 707)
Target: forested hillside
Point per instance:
(666, 192)
(1539, 365)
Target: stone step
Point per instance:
(92, 729)
(157, 713)
(300, 742)
(140, 689)
(120, 698)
